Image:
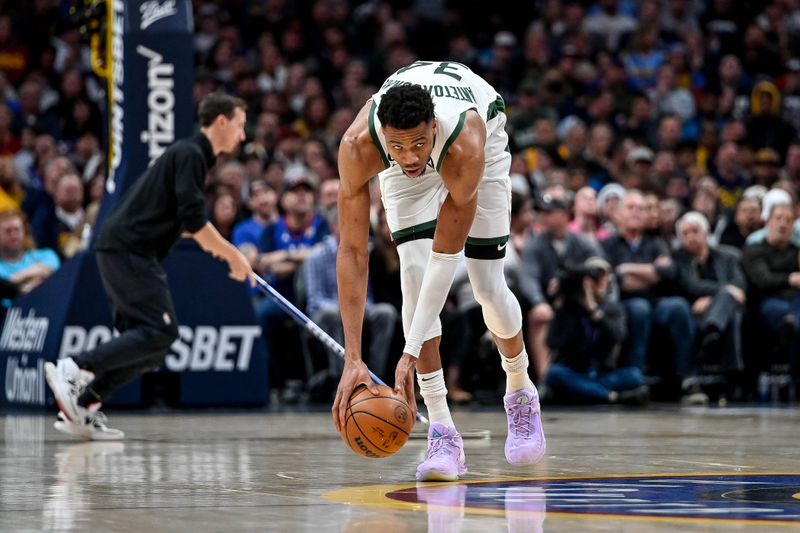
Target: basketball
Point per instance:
(377, 426)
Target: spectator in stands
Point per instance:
(262, 203)
(285, 244)
(39, 204)
(70, 214)
(791, 170)
(646, 273)
(772, 266)
(767, 164)
(766, 128)
(9, 142)
(746, 220)
(585, 338)
(542, 257)
(224, 209)
(20, 263)
(607, 202)
(384, 265)
(328, 194)
(585, 220)
(713, 282)
(11, 192)
(322, 302)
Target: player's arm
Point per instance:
(359, 160)
(461, 173)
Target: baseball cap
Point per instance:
(611, 190)
(505, 38)
(755, 191)
(773, 199)
(598, 263)
(767, 156)
(547, 202)
(640, 154)
(298, 177)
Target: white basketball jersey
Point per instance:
(455, 89)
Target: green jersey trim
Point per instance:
(450, 140)
(374, 134)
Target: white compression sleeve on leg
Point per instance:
(414, 257)
(436, 284)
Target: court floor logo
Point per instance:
(742, 498)
(759, 497)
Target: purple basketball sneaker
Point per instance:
(445, 460)
(525, 444)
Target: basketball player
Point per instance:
(434, 134)
(164, 202)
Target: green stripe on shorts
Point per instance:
(420, 231)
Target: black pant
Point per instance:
(144, 315)
(725, 314)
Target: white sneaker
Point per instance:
(93, 429)
(67, 381)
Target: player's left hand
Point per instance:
(404, 381)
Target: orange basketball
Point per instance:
(377, 426)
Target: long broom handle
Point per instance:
(312, 328)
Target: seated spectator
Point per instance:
(542, 256)
(39, 204)
(766, 167)
(585, 338)
(768, 201)
(645, 271)
(224, 213)
(262, 202)
(328, 194)
(69, 213)
(11, 191)
(669, 211)
(586, 221)
(713, 282)
(607, 201)
(773, 271)
(746, 221)
(729, 175)
(285, 244)
(766, 128)
(20, 263)
(322, 297)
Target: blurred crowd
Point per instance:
(655, 170)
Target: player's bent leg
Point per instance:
(414, 256)
(525, 443)
(445, 460)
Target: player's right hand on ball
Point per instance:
(355, 373)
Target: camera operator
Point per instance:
(542, 256)
(585, 338)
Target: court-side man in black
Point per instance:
(165, 202)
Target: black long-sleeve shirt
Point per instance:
(618, 251)
(165, 201)
(768, 268)
(581, 343)
(697, 279)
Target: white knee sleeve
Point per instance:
(414, 257)
(501, 310)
